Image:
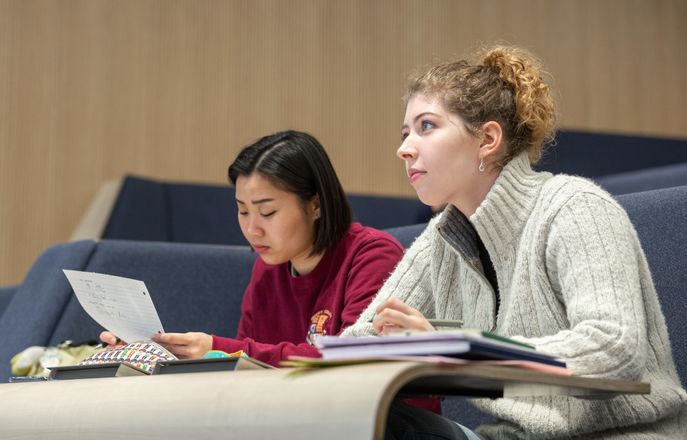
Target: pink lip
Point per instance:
(414, 174)
(260, 249)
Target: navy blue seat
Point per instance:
(150, 210)
(6, 294)
(645, 180)
(599, 154)
(384, 212)
(660, 218)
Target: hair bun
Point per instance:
(507, 66)
(534, 105)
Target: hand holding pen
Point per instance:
(393, 315)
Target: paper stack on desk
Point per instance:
(469, 345)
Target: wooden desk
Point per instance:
(337, 403)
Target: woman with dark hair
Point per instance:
(317, 271)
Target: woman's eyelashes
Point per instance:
(262, 214)
(426, 126)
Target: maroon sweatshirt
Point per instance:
(281, 313)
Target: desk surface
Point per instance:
(343, 402)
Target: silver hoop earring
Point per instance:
(481, 167)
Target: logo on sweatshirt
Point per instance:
(317, 324)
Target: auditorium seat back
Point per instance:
(660, 218)
(592, 154)
(668, 176)
(151, 210)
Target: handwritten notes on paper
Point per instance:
(122, 305)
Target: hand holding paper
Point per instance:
(185, 345)
(122, 305)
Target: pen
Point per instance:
(445, 323)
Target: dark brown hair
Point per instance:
(297, 163)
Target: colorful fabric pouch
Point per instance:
(142, 355)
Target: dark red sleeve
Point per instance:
(246, 322)
(372, 263)
(231, 345)
(270, 353)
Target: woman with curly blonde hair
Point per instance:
(552, 261)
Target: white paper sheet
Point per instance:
(122, 305)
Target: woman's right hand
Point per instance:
(110, 340)
(394, 315)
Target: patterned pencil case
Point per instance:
(143, 355)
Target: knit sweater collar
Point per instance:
(500, 218)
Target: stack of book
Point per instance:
(461, 344)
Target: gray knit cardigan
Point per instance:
(573, 281)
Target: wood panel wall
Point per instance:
(91, 89)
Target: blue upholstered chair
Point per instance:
(645, 180)
(6, 295)
(599, 154)
(660, 218)
(150, 210)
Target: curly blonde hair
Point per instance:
(506, 85)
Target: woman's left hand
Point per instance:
(394, 315)
(185, 345)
